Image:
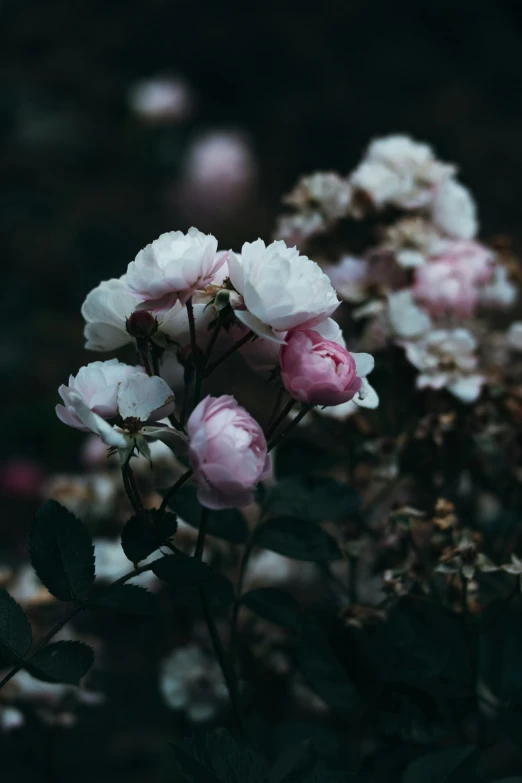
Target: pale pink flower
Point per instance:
(451, 282)
(172, 268)
(320, 372)
(228, 452)
(142, 403)
(97, 386)
(281, 289)
(446, 359)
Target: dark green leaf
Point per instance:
(311, 498)
(293, 763)
(324, 672)
(274, 605)
(297, 539)
(143, 534)
(299, 457)
(15, 629)
(440, 767)
(219, 758)
(62, 662)
(229, 524)
(219, 591)
(181, 571)
(61, 552)
(132, 599)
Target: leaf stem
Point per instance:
(164, 503)
(233, 348)
(302, 413)
(65, 619)
(280, 418)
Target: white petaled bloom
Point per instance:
(454, 210)
(161, 98)
(105, 312)
(172, 267)
(407, 319)
(324, 190)
(446, 358)
(399, 171)
(514, 336)
(281, 290)
(349, 277)
(500, 292)
(97, 385)
(297, 228)
(142, 402)
(191, 681)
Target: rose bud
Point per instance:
(227, 451)
(141, 324)
(321, 372)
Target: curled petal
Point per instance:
(145, 398)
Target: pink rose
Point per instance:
(227, 450)
(451, 282)
(320, 372)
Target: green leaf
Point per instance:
(181, 570)
(293, 763)
(297, 539)
(219, 758)
(274, 605)
(61, 552)
(219, 591)
(229, 524)
(15, 629)
(300, 457)
(440, 767)
(311, 498)
(144, 533)
(62, 662)
(132, 599)
(324, 673)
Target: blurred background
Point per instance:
(120, 120)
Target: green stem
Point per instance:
(60, 624)
(281, 417)
(302, 413)
(248, 336)
(165, 502)
(203, 527)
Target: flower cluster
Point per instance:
(421, 279)
(179, 300)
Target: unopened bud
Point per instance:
(141, 324)
(222, 300)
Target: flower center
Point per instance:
(132, 424)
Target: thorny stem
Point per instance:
(211, 343)
(203, 527)
(281, 417)
(129, 488)
(65, 619)
(248, 336)
(239, 591)
(302, 413)
(219, 650)
(142, 345)
(164, 503)
(192, 328)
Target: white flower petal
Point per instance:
(110, 435)
(364, 363)
(140, 396)
(366, 397)
(258, 327)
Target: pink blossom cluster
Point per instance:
(181, 301)
(424, 274)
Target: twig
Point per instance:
(164, 503)
(210, 369)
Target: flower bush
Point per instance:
(341, 563)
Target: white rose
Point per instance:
(172, 267)
(97, 385)
(454, 210)
(105, 311)
(281, 290)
